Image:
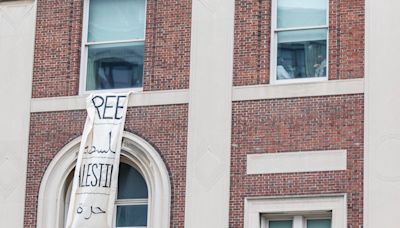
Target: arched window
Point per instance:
(131, 205)
(143, 198)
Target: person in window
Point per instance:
(320, 67)
(281, 71)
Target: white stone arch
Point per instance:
(50, 212)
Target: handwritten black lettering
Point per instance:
(104, 106)
(92, 211)
(116, 116)
(96, 175)
(97, 105)
(100, 151)
(107, 107)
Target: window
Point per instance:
(313, 220)
(132, 198)
(139, 161)
(321, 211)
(113, 44)
(299, 37)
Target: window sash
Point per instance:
(85, 50)
(114, 42)
(133, 202)
(301, 12)
(274, 47)
(301, 217)
(127, 202)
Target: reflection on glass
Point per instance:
(318, 223)
(302, 54)
(131, 216)
(131, 184)
(281, 224)
(112, 66)
(111, 20)
(301, 13)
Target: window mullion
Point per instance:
(298, 222)
(132, 202)
(114, 42)
(300, 28)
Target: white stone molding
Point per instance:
(209, 115)
(51, 200)
(239, 93)
(167, 97)
(256, 206)
(309, 89)
(304, 161)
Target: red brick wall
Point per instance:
(253, 33)
(299, 124)
(58, 43)
(49, 132)
(57, 48)
(167, 50)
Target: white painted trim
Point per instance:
(255, 206)
(289, 162)
(301, 28)
(368, 218)
(239, 93)
(53, 104)
(326, 88)
(115, 42)
(52, 188)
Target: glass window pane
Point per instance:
(116, 20)
(301, 13)
(131, 184)
(302, 54)
(132, 215)
(280, 224)
(112, 66)
(318, 223)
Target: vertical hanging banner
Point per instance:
(96, 174)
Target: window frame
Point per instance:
(256, 207)
(274, 47)
(132, 202)
(302, 216)
(85, 50)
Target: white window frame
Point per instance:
(274, 47)
(129, 202)
(84, 52)
(255, 208)
(299, 219)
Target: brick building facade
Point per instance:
(297, 120)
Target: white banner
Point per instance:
(96, 173)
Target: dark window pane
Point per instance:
(128, 216)
(131, 184)
(280, 224)
(302, 54)
(113, 66)
(318, 223)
